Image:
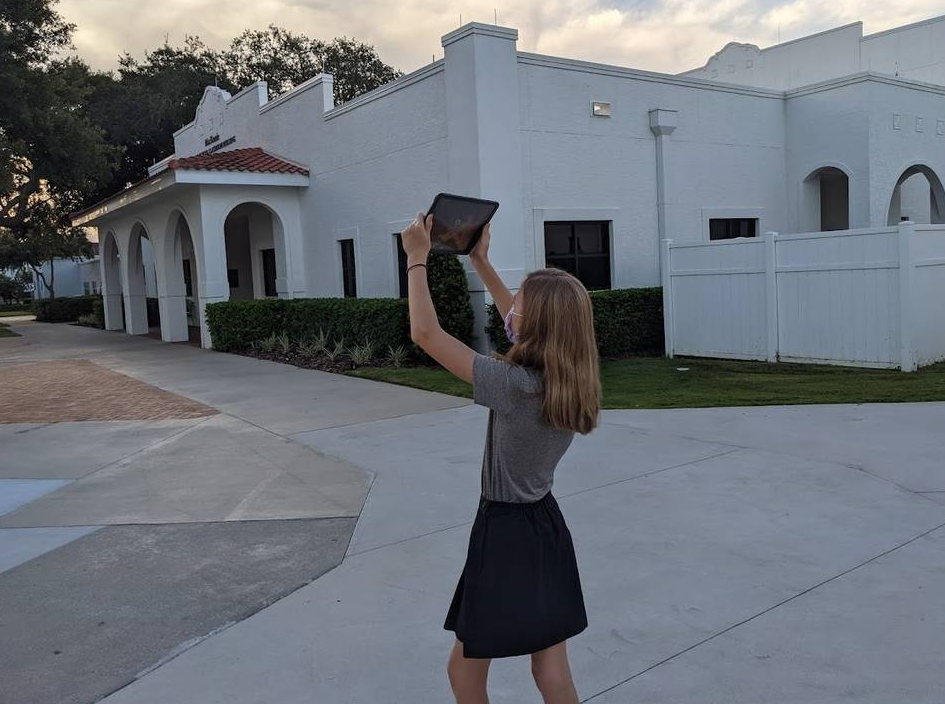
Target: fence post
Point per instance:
(667, 283)
(771, 294)
(908, 358)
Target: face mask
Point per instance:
(509, 333)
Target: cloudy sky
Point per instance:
(659, 35)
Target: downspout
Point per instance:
(663, 124)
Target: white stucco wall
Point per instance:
(70, 278)
(725, 158)
(376, 161)
(907, 127)
(800, 62)
(915, 51)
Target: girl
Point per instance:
(519, 592)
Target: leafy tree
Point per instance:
(51, 155)
(146, 101)
(356, 68)
(284, 60)
(274, 55)
(142, 106)
(13, 288)
(44, 238)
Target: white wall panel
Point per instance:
(872, 297)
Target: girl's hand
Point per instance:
(480, 252)
(416, 238)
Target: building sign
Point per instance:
(217, 144)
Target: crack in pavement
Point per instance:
(762, 613)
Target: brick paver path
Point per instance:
(77, 389)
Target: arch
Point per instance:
(135, 279)
(917, 195)
(178, 298)
(112, 295)
(825, 198)
(257, 259)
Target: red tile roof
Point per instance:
(249, 159)
(252, 159)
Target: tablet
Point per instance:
(458, 222)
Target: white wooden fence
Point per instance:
(872, 297)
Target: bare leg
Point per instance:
(468, 677)
(552, 674)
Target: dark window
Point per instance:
(730, 228)
(401, 265)
(347, 268)
(269, 271)
(581, 248)
(188, 282)
(233, 277)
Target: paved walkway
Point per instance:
(728, 555)
(150, 496)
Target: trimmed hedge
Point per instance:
(449, 290)
(15, 307)
(628, 322)
(98, 312)
(235, 325)
(63, 310)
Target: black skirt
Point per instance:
(520, 591)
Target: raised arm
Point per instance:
(494, 283)
(425, 328)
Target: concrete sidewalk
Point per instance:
(715, 570)
(787, 554)
(149, 497)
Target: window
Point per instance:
(188, 282)
(401, 264)
(233, 277)
(581, 248)
(87, 287)
(348, 273)
(269, 271)
(730, 228)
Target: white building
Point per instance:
(83, 277)
(79, 277)
(593, 165)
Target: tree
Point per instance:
(51, 155)
(42, 240)
(146, 101)
(284, 60)
(274, 55)
(356, 68)
(142, 106)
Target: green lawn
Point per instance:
(5, 331)
(658, 383)
(15, 313)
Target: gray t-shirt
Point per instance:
(521, 453)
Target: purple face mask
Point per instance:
(509, 333)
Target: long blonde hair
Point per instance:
(556, 337)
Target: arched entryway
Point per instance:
(917, 196)
(255, 252)
(825, 202)
(179, 299)
(112, 295)
(139, 279)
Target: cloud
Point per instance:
(658, 35)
